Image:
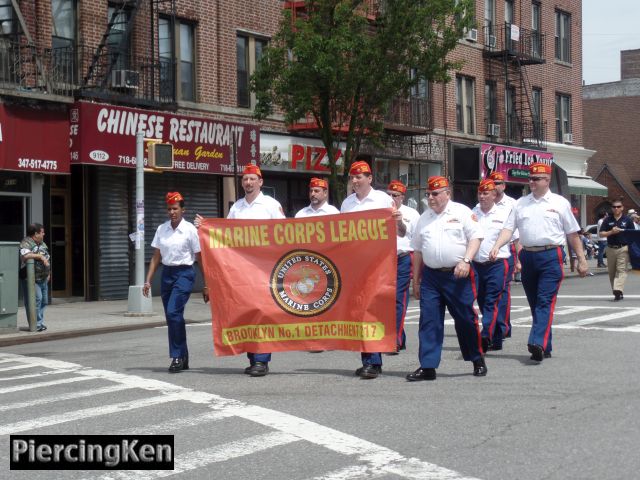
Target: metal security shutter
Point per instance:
(200, 192)
(112, 220)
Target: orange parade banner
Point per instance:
(317, 283)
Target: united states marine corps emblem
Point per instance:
(305, 283)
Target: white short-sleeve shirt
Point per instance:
(324, 209)
(374, 199)
(179, 246)
(443, 238)
(263, 207)
(410, 217)
(492, 224)
(545, 221)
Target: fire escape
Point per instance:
(109, 71)
(509, 52)
(408, 119)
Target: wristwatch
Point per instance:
(466, 260)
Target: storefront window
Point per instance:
(13, 212)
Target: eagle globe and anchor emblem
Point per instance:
(305, 283)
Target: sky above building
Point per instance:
(608, 26)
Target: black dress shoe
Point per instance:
(422, 374)
(479, 368)
(494, 347)
(179, 364)
(547, 354)
(617, 295)
(536, 351)
(258, 369)
(370, 371)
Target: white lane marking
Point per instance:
(603, 318)
(15, 367)
(595, 297)
(201, 458)
(65, 396)
(47, 421)
(378, 458)
(29, 386)
(180, 423)
(348, 473)
(558, 312)
(42, 374)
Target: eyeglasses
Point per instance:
(498, 183)
(616, 206)
(536, 179)
(433, 194)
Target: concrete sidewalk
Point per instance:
(76, 319)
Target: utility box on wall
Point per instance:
(9, 265)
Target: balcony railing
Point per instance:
(409, 114)
(76, 72)
(528, 47)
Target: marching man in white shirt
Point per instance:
(492, 274)
(318, 195)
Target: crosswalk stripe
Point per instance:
(41, 374)
(201, 458)
(15, 367)
(180, 423)
(48, 420)
(29, 386)
(602, 318)
(65, 396)
(352, 472)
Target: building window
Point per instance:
(536, 112)
(177, 69)
(536, 39)
(63, 40)
(7, 23)
(465, 104)
(510, 108)
(563, 117)
(118, 41)
(490, 22)
(419, 102)
(490, 108)
(563, 36)
(249, 51)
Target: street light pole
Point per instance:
(138, 304)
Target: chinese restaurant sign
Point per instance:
(106, 135)
(325, 282)
(510, 161)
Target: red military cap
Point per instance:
(319, 182)
(486, 185)
(173, 197)
(539, 168)
(397, 186)
(252, 169)
(497, 177)
(359, 167)
(437, 182)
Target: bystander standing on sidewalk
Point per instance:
(33, 247)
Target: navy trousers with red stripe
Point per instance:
(440, 290)
(505, 301)
(403, 280)
(542, 274)
(492, 277)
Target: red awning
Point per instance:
(34, 139)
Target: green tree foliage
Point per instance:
(342, 61)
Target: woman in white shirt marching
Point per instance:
(177, 247)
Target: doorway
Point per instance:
(60, 242)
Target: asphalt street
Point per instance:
(574, 416)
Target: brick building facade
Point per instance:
(84, 75)
(611, 125)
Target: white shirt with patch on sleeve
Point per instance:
(177, 246)
(263, 207)
(410, 217)
(492, 224)
(443, 238)
(542, 222)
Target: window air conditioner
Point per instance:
(472, 35)
(567, 138)
(491, 41)
(493, 130)
(129, 79)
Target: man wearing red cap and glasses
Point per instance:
(410, 217)
(506, 203)
(177, 247)
(255, 205)
(318, 195)
(365, 197)
(447, 237)
(492, 274)
(543, 219)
